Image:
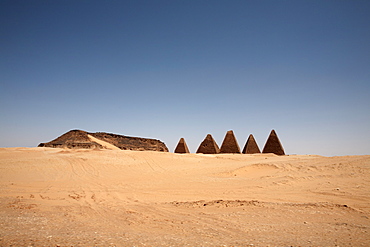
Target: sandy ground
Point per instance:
(59, 197)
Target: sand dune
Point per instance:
(105, 144)
(67, 197)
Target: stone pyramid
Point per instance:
(230, 144)
(251, 146)
(273, 144)
(181, 147)
(208, 146)
(77, 139)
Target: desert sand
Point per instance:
(62, 197)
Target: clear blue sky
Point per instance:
(172, 69)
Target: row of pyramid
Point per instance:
(230, 145)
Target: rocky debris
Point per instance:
(273, 145)
(230, 144)
(251, 146)
(208, 146)
(78, 139)
(131, 143)
(181, 147)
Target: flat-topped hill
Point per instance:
(76, 139)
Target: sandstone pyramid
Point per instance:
(230, 144)
(273, 144)
(251, 146)
(181, 147)
(208, 146)
(77, 139)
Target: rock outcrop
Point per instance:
(251, 146)
(273, 144)
(208, 146)
(230, 144)
(76, 139)
(181, 147)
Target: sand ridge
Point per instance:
(124, 198)
(105, 144)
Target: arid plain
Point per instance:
(63, 197)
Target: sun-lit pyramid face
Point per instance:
(273, 145)
(181, 147)
(251, 146)
(230, 144)
(208, 146)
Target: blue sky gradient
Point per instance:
(172, 69)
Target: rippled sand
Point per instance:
(61, 197)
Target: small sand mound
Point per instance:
(251, 170)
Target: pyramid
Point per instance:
(251, 146)
(77, 139)
(273, 144)
(230, 144)
(208, 146)
(181, 147)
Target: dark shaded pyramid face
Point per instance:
(208, 146)
(230, 144)
(273, 145)
(181, 147)
(251, 146)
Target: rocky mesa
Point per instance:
(76, 139)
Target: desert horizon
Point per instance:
(155, 123)
(83, 197)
